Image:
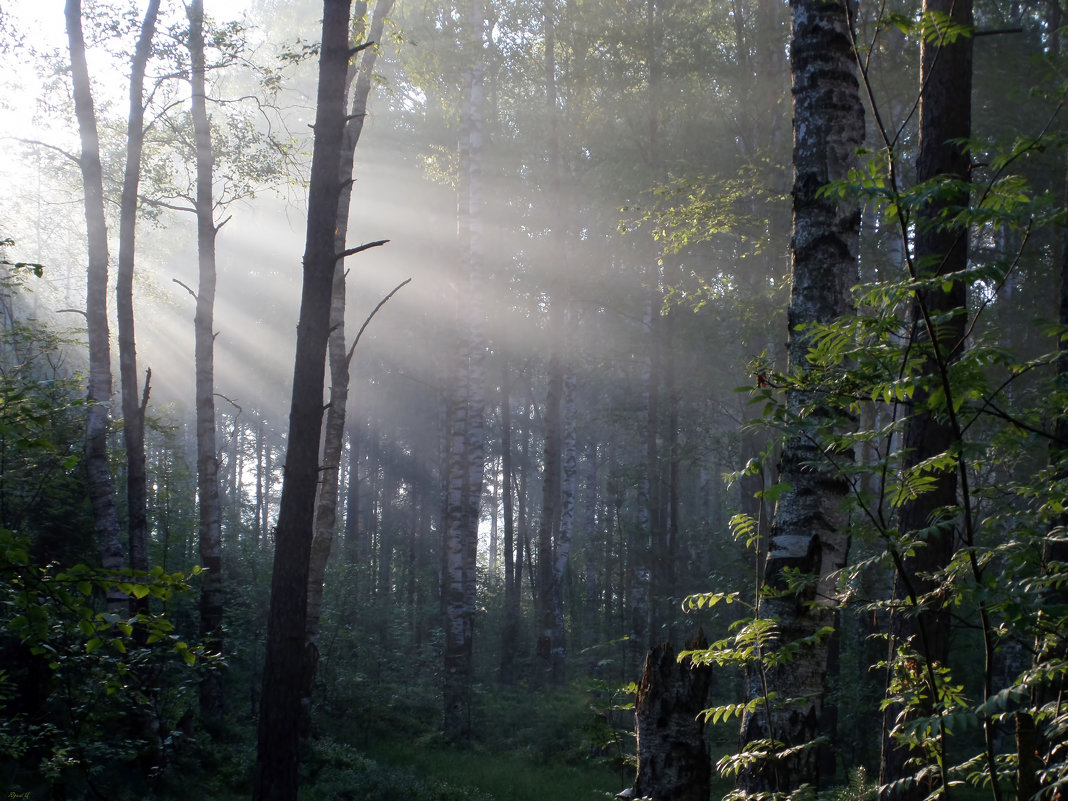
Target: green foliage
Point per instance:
(90, 681)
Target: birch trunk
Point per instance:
(809, 530)
(562, 555)
(210, 534)
(101, 489)
(510, 632)
(673, 760)
(464, 458)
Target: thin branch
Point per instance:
(144, 395)
(354, 50)
(185, 287)
(160, 204)
(381, 303)
(38, 142)
(359, 249)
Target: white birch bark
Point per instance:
(466, 427)
(809, 530)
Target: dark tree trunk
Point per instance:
(287, 656)
(334, 435)
(101, 489)
(210, 534)
(945, 122)
(510, 632)
(550, 513)
(673, 760)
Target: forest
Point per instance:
(514, 400)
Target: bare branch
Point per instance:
(59, 150)
(186, 288)
(367, 322)
(161, 204)
(353, 251)
(354, 50)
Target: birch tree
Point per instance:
(466, 413)
(133, 405)
(101, 489)
(210, 535)
(808, 536)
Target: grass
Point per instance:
(504, 777)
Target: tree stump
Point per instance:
(673, 761)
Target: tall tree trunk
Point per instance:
(353, 551)
(510, 632)
(334, 435)
(809, 531)
(562, 545)
(466, 426)
(133, 412)
(549, 523)
(210, 534)
(101, 490)
(287, 656)
(945, 122)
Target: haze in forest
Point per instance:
(704, 436)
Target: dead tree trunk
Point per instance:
(673, 760)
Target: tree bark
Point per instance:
(673, 760)
(334, 435)
(133, 412)
(210, 532)
(510, 631)
(466, 427)
(101, 489)
(809, 531)
(562, 546)
(945, 121)
(287, 656)
(549, 522)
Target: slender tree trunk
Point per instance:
(562, 545)
(210, 534)
(101, 490)
(288, 658)
(595, 562)
(510, 632)
(334, 435)
(809, 531)
(945, 122)
(133, 412)
(260, 530)
(467, 408)
(549, 523)
(353, 554)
